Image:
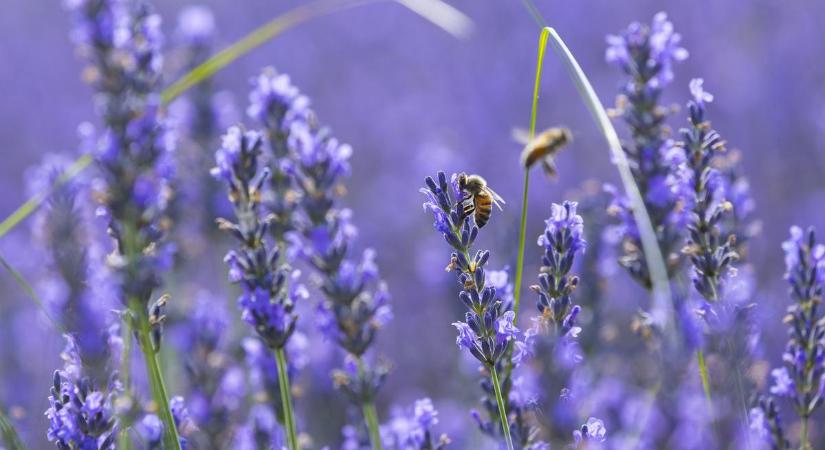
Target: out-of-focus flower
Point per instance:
(646, 54)
(592, 431)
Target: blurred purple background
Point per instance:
(411, 100)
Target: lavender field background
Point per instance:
(412, 100)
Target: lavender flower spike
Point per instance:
(647, 54)
(268, 295)
(308, 168)
(487, 330)
(122, 43)
(712, 255)
(80, 416)
(562, 239)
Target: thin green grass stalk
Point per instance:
(532, 133)
(502, 410)
(370, 414)
(290, 429)
(8, 432)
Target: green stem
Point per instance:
(522, 239)
(124, 442)
(286, 400)
(371, 417)
(803, 439)
(370, 413)
(502, 410)
(703, 374)
(170, 435)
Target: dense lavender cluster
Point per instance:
(126, 257)
(309, 167)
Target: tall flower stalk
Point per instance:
(711, 254)
(801, 379)
(121, 41)
(268, 298)
(647, 54)
(309, 167)
(488, 329)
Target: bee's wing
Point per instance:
(520, 135)
(497, 200)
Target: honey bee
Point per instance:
(543, 147)
(483, 198)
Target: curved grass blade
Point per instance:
(9, 434)
(436, 11)
(532, 133)
(31, 205)
(663, 311)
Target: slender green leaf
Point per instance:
(534, 111)
(33, 203)
(663, 311)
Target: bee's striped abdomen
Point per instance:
(484, 206)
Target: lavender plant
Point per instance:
(269, 292)
(488, 328)
(647, 54)
(121, 42)
(81, 416)
(309, 167)
(711, 254)
(801, 379)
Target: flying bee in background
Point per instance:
(480, 199)
(543, 147)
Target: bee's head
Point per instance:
(474, 183)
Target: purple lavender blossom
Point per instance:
(80, 416)
(309, 167)
(415, 431)
(269, 292)
(562, 239)
(646, 54)
(711, 254)
(802, 377)
(488, 332)
(592, 431)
